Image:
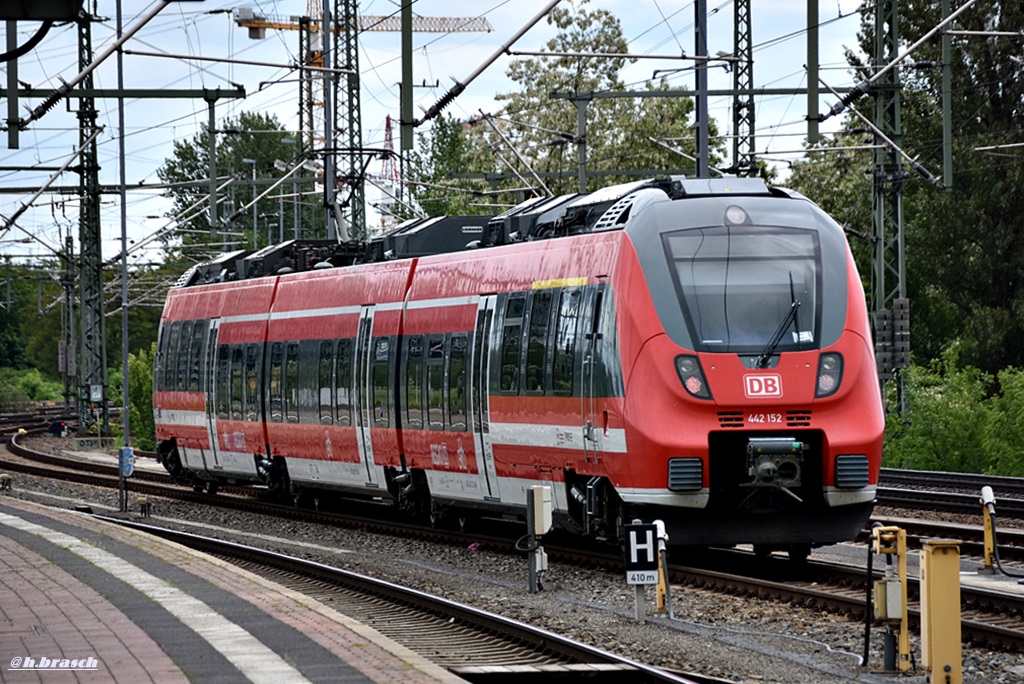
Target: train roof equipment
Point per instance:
(537, 218)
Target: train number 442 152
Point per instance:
(764, 418)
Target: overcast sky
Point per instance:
(207, 29)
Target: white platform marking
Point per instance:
(242, 649)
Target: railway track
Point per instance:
(951, 502)
(990, 619)
(950, 492)
(969, 482)
(467, 641)
(247, 499)
(36, 422)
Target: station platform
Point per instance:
(105, 458)
(82, 600)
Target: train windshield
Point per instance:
(740, 284)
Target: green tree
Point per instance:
(14, 301)
(30, 320)
(250, 135)
(143, 312)
(140, 398)
(441, 153)
(963, 253)
(543, 131)
(835, 180)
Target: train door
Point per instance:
(214, 385)
(594, 417)
(364, 392)
(480, 398)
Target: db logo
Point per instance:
(762, 385)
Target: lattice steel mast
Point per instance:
(743, 83)
(888, 286)
(92, 365)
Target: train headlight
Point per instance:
(830, 374)
(692, 376)
(736, 215)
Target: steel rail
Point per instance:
(890, 476)
(437, 628)
(952, 502)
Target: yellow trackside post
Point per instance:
(988, 504)
(941, 650)
(891, 597)
(663, 594)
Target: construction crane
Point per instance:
(258, 24)
(312, 110)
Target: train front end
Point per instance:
(752, 399)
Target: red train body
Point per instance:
(693, 351)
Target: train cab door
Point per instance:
(364, 392)
(214, 385)
(594, 416)
(480, 398)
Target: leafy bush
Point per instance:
(1004, 441)
(12, 397)
(19, 388)
(957, 419)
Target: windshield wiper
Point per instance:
(773, 344)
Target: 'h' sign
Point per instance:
(641, 554)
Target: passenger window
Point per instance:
(343, 382)
(537, 346)
(381, 385)
(223, 382)
(457, 383)
(236, 382)
(252, 395)
(275, 385)
(435, 382)
(414, 383)
(196, 356)
(566, 326)
(326, 382)
(181, 380)
(511, 343)
(171, 366)
(291, 383)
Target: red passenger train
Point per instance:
(696, 351)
